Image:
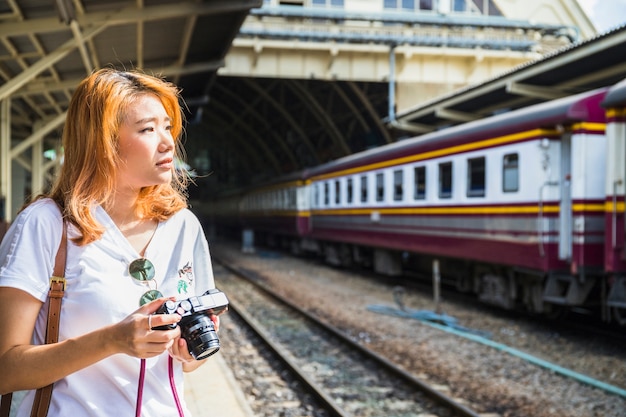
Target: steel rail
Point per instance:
(439, 397)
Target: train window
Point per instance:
(337, 192)
(510, 173)
(445, 180)
(349, 191)
(380, 187)
(292, 198)
(419, 181)
(398, 185)
(476, 177)
(316, 195)
(426, 5)
(411, 5)
(327, 3)
(326, 194)
(364, 189)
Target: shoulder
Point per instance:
(41, 215)
(27, 250)
(184, 217)
(40, 223)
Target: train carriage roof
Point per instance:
(616, 96)
(560, 112)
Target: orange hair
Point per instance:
(90, 141)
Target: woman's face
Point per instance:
(146, 146)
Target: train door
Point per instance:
(615, 238)
(304, 203)
(565, 206)
(614, 191)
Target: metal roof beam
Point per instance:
(31, 72)
(128, 15)
(80, 42)
(185, 43)
(318, 110)
(427, 18)
(286, 115)
(528, 90)
(80, 10)
(455, 115)
(444, 40)
(237, 123)
(250, 108)
(370, 110)
(38, 135)
(39, 87)
(238, 144)
(410, 127)
(346, 100)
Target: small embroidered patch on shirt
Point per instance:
(185, 275)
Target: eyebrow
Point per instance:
(151, 119)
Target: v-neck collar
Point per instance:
(111, 227)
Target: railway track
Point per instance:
(497, 381)
(346, 378)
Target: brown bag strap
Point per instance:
(5, 404)
(55, 295)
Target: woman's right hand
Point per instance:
(30, 365)
(136, 334)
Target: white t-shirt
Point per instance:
(100, 292)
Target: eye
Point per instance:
(147, 129)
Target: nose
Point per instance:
(167, 141)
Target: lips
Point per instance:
(167, 162)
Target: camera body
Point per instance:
(196, 326)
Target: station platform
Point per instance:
(212, 391)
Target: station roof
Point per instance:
(595, 63)
(259, 118)
(271, 126)
(48, 46)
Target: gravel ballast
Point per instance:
(489, 378)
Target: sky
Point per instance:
(605, 14)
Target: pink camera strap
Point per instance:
(142, 376)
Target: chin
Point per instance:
(164, 179)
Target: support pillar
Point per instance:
(37, 171)
(5, 160)
(247, 241)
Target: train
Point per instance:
(523, 209)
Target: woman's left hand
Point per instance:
(180, 351)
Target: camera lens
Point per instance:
(200, 335)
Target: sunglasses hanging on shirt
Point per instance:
(142, 270)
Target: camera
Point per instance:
(196, 327)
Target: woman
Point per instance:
(131, 239)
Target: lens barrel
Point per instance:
(199, 332)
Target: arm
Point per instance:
(30, 365)
(193, 365)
